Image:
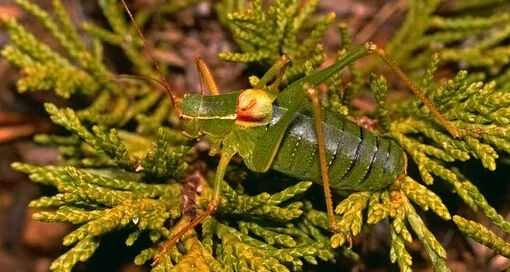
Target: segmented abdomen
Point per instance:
(357, 159)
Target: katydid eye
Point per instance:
(254, 105)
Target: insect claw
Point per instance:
(157, 259)
(166, 246)
(285, 59)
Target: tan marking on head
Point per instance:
(254, 106)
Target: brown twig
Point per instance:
(12, 133)
(15, 125)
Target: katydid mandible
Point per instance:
(288, 133)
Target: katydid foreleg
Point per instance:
(211, 208)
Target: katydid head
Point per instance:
(215, 115)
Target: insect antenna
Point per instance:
(144, 78)
(175, 99)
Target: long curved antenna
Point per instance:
(175, 99)
(144, 78)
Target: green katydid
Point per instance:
(285, 132)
